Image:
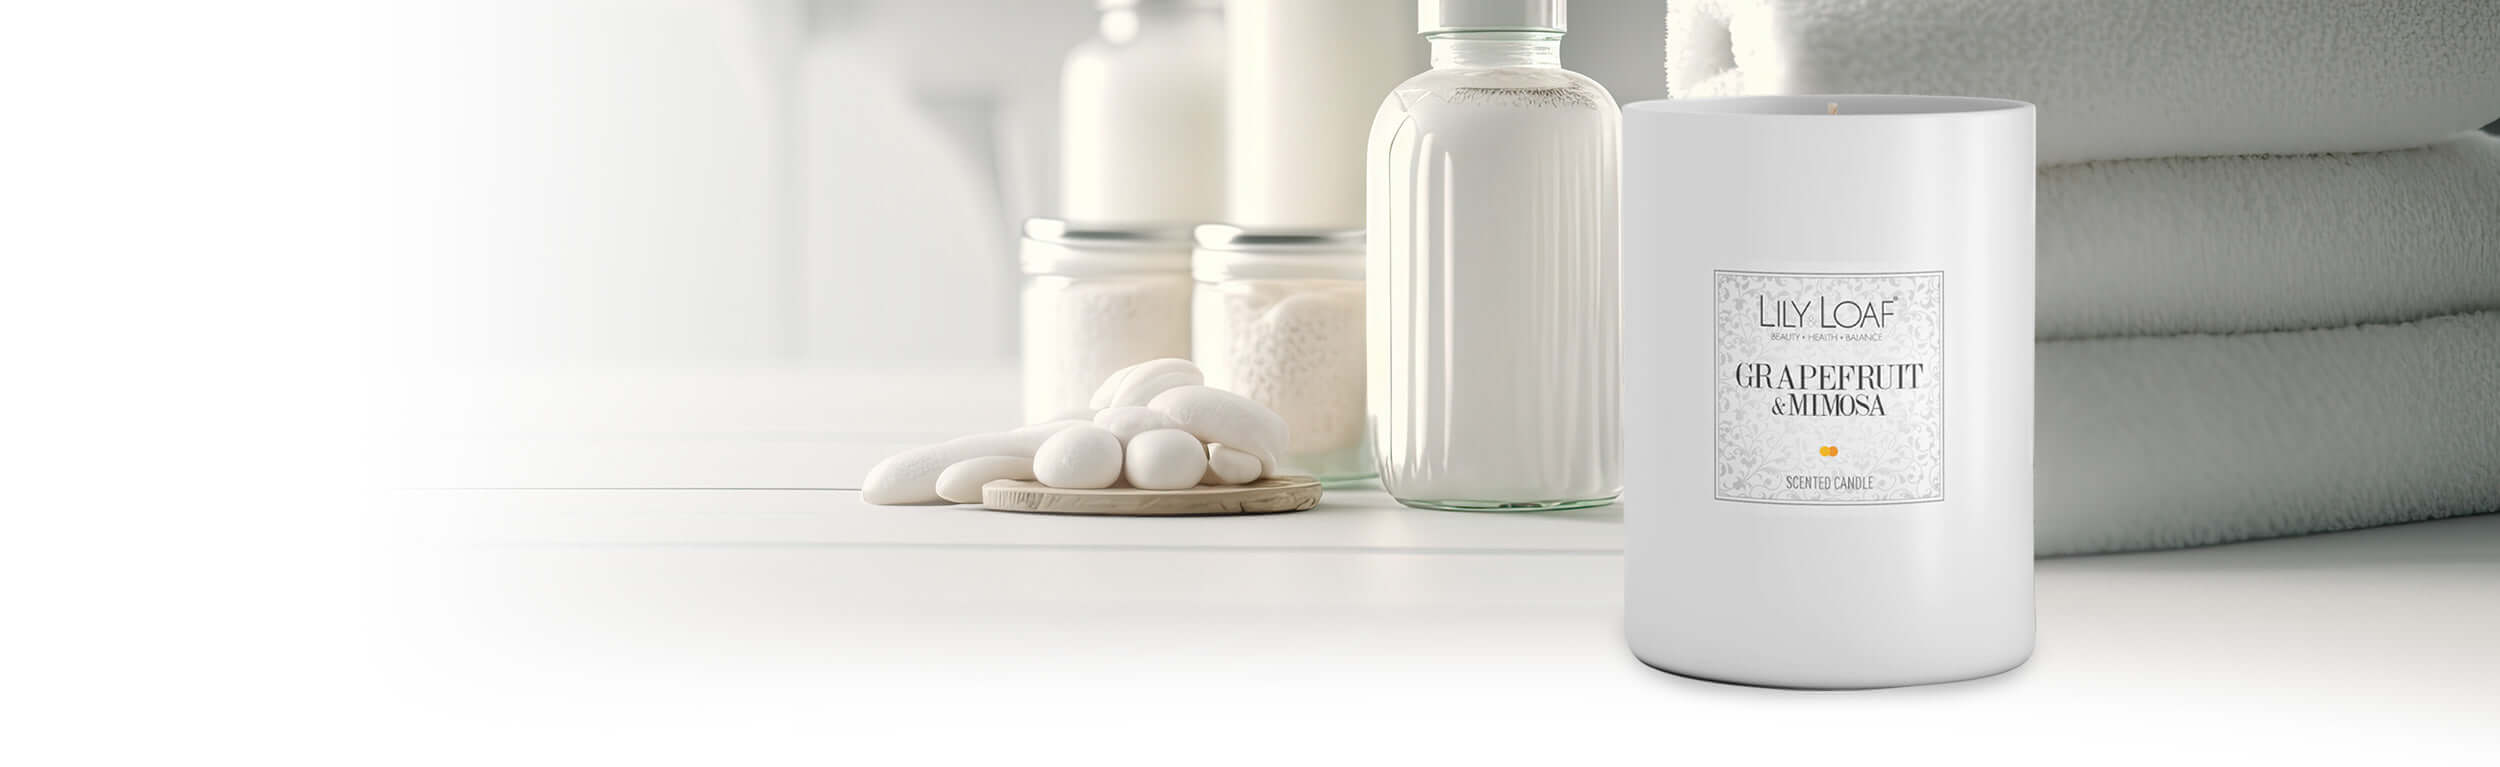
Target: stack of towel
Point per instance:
(2269, 242)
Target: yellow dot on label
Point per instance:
(1831, 450)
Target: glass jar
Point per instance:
(1278, 318)
(1493, 299)
(1097, 300)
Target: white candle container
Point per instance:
(1828, 388)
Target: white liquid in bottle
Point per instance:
(1493, 305)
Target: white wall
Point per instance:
(614, 178)
(828, 181)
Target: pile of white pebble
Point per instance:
(1154, 425)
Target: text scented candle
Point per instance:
(1828, 399)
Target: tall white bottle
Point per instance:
(1306, 76)
(1141, 133)
(1492, 299)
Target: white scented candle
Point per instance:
(1828, 427)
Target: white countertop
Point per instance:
(676, 554)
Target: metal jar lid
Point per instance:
(1065, 232)
(1113, 5)
(1230, 237)
(1490, 15)
(1226, 252)
(1057, 246)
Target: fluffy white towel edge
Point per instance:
(2153, 443)
(2123, 78)
(2237, 244)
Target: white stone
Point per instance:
(1138, 384)
(1227, 465)
(1127, 422)
(911, 476)
(1080, 457)
(962, 482)
(1165, 459)
(1215, 415)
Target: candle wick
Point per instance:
(1831, 107)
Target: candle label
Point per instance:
(1830, 387)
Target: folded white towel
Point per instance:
(2229, 244)
(2124, 78)
(2149, 443)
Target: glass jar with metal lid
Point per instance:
(1097, 300)
(1278, 317)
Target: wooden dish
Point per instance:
(1267, 496)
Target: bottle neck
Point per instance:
(1486, 50)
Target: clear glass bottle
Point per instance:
(1279, 319)
(1494, 313)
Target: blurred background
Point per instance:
(830, 182)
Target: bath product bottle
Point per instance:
(1141, 131)
(1306, 76)
(1492, 305)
